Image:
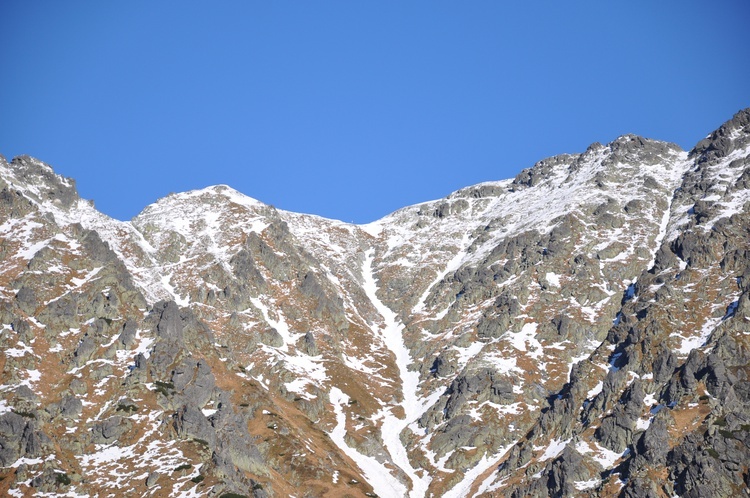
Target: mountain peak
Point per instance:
(37, 179)
(731, 136)
(214, 198)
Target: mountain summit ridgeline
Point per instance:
(580, 330)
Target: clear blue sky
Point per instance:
(352, 109)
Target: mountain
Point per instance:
(582, 329)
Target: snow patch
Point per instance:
(527, 336)
(595, 390)
(555, 447)
(487, 462)
(553, 279)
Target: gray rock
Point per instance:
(34, 442)
(719, 144)
(170, 324)
(567, 328)
(12, 427)
(40, 261)
(127, 336)
(501, 319)
(99, 250)
(193, 382)
(686, 382)
(235, 442)
(482, 385)
(652, 446)
(634, 206)
(61, 314)
(698, 473)
(24, 392)
(48, 185)
(245, 269)
(178, 332)
(539, 172)
(445, 209)
(78, 386)
(443, 366)
(13, 203)
(152, 479)
(565, 471)
(71, 407)
(26, 299)
(85, 350)
(258, 490)
(190, 423)
(23, 329)
(271, 337)
(480, 191)
(51, 481)
(460, 391)
(310, 346)
(664, 365)
(616, 430)
(327, 304)
(457, 432)
(557, 478)
(184, 373)
(109, 430)
(641, 487)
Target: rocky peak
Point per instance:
(38, 180)
(607, 161)
(542, 170)
(635, 149)
(732, 136)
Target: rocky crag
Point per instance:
(582, 329)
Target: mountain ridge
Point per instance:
(70, 182)
(485, 342)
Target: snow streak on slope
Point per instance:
(462, 488)
(673, 180)
(452, 265)
(279, 325)
(379, 477)
(391, 333)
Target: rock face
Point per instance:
(580, 330)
